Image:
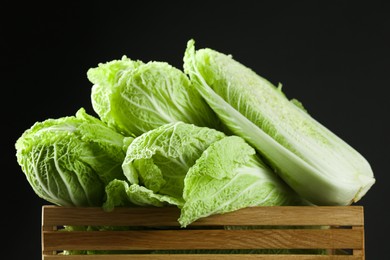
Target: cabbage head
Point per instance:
(314, 161)
(156, 164)
(68, 161)
(134, 97)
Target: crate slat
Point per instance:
(204, 239)
(273, 215)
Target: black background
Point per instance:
(331, 55)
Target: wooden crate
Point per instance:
(339, 230)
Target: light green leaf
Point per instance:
(134, 97)
(229, 176)
(120, 194)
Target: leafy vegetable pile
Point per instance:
(210, 139)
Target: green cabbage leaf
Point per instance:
(230, 176)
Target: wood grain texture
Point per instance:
(273, 215)
(331, 228)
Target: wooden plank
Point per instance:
(273, 215)
(360, 252)
(142, 216)
(202, 257)
(204, 239)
